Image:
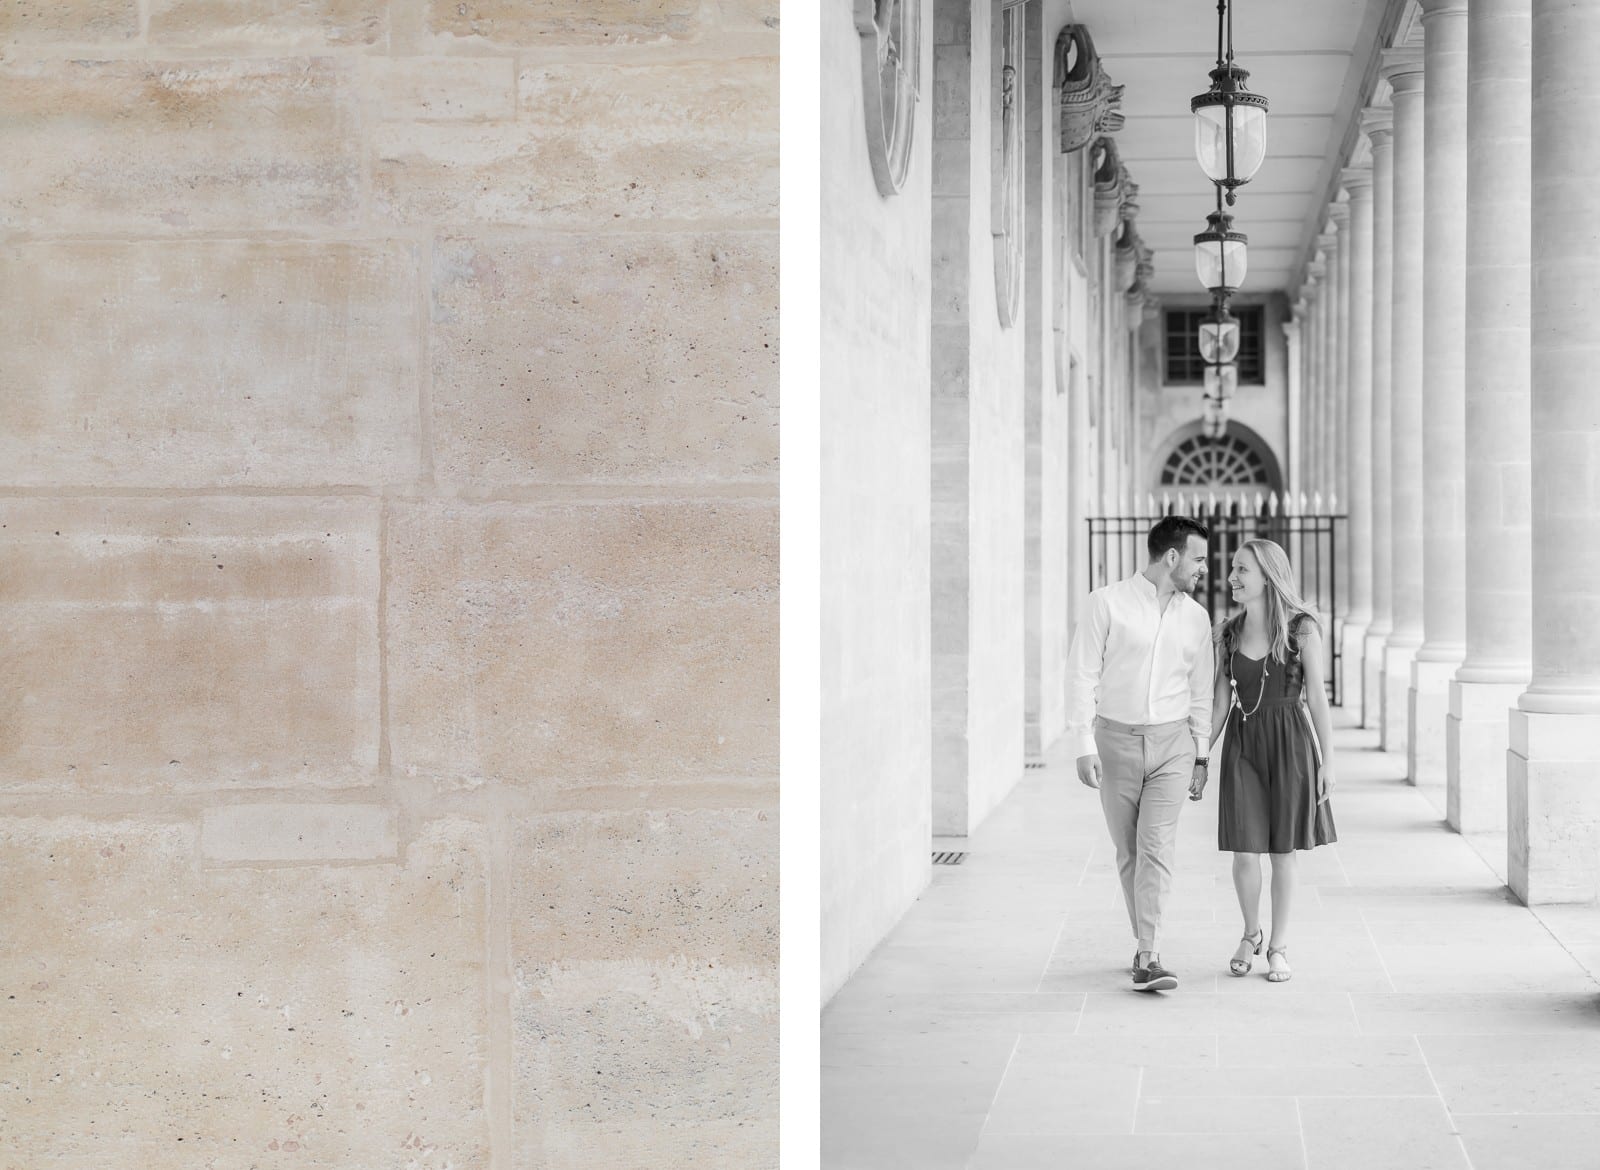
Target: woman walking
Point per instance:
(1276, 770)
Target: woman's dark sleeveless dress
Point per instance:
(1268, 801)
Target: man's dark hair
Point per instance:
(1174, 532)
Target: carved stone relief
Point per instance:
(1090, 104)
(1007, 190)
(891, 58)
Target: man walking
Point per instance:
(1139, 714)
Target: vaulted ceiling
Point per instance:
(1313, 59)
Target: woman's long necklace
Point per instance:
(1233, 682)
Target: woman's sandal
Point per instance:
(1241, 967)
(1278, 974)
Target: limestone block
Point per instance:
(608, 358)
(442, 89)
(647, 885)
(596, 143)
(26, 22)
(269, 24)
(200, 363)
(576, 644)
(186, 145)
(175, 645)
(560, 22)
(645, 947)
(161, 1015)
(299, 832)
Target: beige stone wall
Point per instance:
(388, 571)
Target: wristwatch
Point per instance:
(1203, 761)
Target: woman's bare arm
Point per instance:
(1310, 644)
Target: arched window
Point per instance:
(1228, 462)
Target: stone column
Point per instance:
(1338, 498)
(1378, 123)
(1316, 288)
(1444, 418)
(1499, 616)
(1291, 338)
(1553, 773)
(1357, 428)
(1338, 450)
(1329, 243)
(1403, 68)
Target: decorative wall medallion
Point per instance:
(1007, 188)
(891, 62)
(1090, 104)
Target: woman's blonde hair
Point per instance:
(1285, 607)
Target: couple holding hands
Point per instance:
(1148, 679)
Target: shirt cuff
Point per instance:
(1084, 745)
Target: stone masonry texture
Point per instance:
(388, 578)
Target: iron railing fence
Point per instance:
(1311, 536)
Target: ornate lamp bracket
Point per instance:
(891, 64)
(1090, 104)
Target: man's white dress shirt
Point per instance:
(1133, 663)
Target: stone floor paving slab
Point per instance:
(1531, 1143)
(1375, 1133)
(1248, 1116)
(1041, 1096)
(1136, 1152)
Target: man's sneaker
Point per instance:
(1154, 977)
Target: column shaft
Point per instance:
(1379, 125)
(1444, 419)
(1404, 68)
(1553, 792)
(1357, 428)
(1498, 601)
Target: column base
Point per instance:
(1352, 643)
(1427, 705)
(1372, 679)
(1477, 737)
(1553, 807)
(1395, 700)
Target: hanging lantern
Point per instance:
(1221, 381)
(1219, 335)
(1220, 258)
(1230, 122)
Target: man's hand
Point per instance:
(1089, 771)
(1197, 782)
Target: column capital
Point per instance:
(1315, 271)
(1291, 331)
(1327, 241)
(1357, 181)
(1339, 213)
(1432, 8)
(1377, 123)
(1402, 69)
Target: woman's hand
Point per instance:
(1325, 782)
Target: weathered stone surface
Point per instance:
(180, 644)
(638, 1065)
(610, 358)
(43, 21)
(200, 363)
(442, 89)
(597, 144)
(578, 644)
(150, 145)
(647, 885)
(272, 24)
(299, 832)
(161, 1015)
(646, 948)
(518, 23)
